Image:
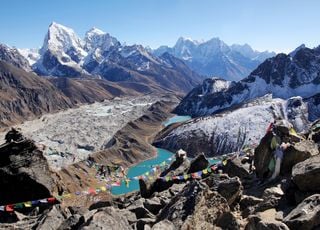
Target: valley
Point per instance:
(71, 135)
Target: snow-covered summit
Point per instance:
(282, 76)
(215, 57)
(96, 38)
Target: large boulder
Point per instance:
(165, 224)
(263, 155)
(236, 168)
(306, 174)
(108, 218)
(230, 189)
(24, 172)
(197, 164)
(296, 153)
(257, 223)
(195, 207)
(306, 215)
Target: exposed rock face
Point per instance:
(230, 130)
(12, 56)
(306, 174)
(297, 153)
(24, 95)
(305, 215)
(25, 173)
(282, 76)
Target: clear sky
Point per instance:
(278, 25)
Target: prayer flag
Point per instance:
(35, 202)
(19, 205)
(78, 193)
(92, 191)
(1, 208)
(194, 175)
(9, 208)
(51, 200)
(28, 204)
(66, 195)
(224, 162)
(205, 171)
(186, 176)
(199, 173)
(43, 201)
(168, 178)
(117, 183)
(209, 170)
(103, 189)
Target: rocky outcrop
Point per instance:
(306, 174)
(305, 215)
(25, 174)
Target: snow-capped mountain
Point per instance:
(65, 54)
(13, 56)
(230, 130)
(283, 76)
(216, 58)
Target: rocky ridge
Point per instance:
(229, 197)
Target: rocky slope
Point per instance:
(215, 58)
(99, 55)
(24, 95)
(13, 56)
(230, 130)
(229, 198)
(282, 76)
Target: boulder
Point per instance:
(296, 153)
(24, 168)
(230, 189)
(228, 221)
(197, 164)
(306, 215)
(164, 224)
(271, 199)
(306, 174)
(249, 201)
(263, 155)
(108, 219)
(257, 223)
(235, 167)
(195, 206)
(154, 205)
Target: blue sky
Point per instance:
(279, 25)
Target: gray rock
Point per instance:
(164, 224)
(306, 215)
(108, 219)
(296, 153)
(154, 205)
(249, 201)
(230, 189)
(306, 174)
(256, 223)
(228, 221)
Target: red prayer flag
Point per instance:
(9, 208)
(92, 191)
(51, 200)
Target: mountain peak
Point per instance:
(293, 53)
(94, 31)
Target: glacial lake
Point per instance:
(146, 166)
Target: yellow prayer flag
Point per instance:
(224, 162)
(27, 204)
(67, 195)
(205, 171)
(103, 188)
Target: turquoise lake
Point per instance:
(146, 166)
(176, 119)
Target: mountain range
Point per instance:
(216, 58)
(101, 56)
(229, 115)
(283, 76)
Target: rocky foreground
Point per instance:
(228, 196)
